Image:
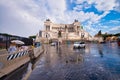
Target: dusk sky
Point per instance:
(26, 17)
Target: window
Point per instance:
(47, 28)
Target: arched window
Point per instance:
(47, 28)
(78, 27)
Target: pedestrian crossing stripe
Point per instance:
(20, 54)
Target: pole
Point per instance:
(6, 42)
(58, 45)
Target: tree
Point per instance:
(81, 27)
(118, 34)
(100, 33)
(104, 36)
(32, 37)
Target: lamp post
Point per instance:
(59, 36)
(47, 36)
(6, 42)
(66, 32)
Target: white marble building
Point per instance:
(72, 31)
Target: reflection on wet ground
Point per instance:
(95, 62)
(18, 74)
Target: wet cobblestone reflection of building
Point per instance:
(96, 62)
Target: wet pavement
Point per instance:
(95, 62)
(18, 74)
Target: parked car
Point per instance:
(53, 44)
(78, 45)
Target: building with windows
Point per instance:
(66, 32)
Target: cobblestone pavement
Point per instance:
(95, 62)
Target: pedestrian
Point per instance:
(12, 48)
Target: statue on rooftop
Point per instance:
(76, 20)
(47, 19)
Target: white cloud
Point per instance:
(105, 6)
(101, 5)
(91, 30)
(78, 7)
(82, 6)
(26, 17)
(18, 21)
(115, 28)
(57, 6)
(117, 7)
(79, 1)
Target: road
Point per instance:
(95, 62)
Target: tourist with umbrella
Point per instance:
(13, 45)
(17, 42)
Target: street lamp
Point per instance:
(66, 32)
(47, 36)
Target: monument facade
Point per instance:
(67, 32)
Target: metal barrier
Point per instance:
(10, 62)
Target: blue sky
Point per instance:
(26, 17)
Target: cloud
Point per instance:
(101, 5)
(16, 20)
(115, 29)
(105, 6)
(82, 6)
(117, 7)
(26, 17)
(92, 18)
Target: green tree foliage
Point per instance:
(109, 35)
(32, 37)
(5, 34)
(99, 33)
(118, 34)
(81, 27)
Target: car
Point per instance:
(53, 44)
(79, 45)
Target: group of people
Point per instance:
(14, 48)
